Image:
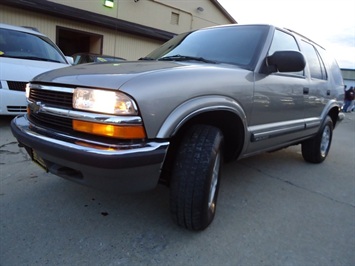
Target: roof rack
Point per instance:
(308, 39)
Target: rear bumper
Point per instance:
(120, 167)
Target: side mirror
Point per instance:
(285, 61)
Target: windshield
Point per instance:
(16, 44)
(238, 45)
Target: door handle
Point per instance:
(305, 90)
(328, 92)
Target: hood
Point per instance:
(24, 70)
(112, 75)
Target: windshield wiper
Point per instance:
(147, 58)
(185, 58)
(40, 59)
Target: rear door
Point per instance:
(319, 90)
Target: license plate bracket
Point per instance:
(38, 160)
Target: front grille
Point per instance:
(59, 123)
(16, 85)
(55, 98)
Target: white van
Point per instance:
(24, 53)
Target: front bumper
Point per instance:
(124, 168)
(12, 102)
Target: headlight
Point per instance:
(103, 101)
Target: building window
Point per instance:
(174, 18)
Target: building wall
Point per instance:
(157, 13)
(209, 15)
(348, 77)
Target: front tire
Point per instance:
(316, 149)
(195, 177)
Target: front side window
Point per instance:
(283, 41)
(232, 45)
(22, 45)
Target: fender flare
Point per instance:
(328, 109)
(195, 106)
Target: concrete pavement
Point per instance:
(273, 209)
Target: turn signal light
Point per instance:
(114, 131)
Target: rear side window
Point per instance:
(315, 62)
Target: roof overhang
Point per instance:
(225, 12)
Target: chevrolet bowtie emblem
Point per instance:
(35, 107)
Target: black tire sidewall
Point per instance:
(311, 149)
(190, 189)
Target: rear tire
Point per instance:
(195, 177)
(316, 149)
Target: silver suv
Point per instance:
(205, 97)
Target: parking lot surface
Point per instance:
(273, 209)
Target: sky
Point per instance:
(330, 23)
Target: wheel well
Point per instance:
(229, 123)
(333, 113)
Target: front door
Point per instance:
(278, 102)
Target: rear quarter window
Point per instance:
(333, 67)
